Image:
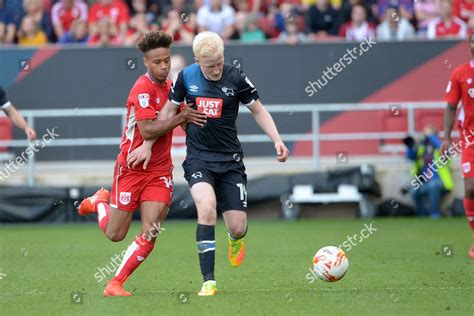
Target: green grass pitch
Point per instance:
(401, 269)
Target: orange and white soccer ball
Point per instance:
(330, 264)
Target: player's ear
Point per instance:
(196, 60)
(145, 62)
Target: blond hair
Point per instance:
(207, 44)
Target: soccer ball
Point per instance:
(330, 264)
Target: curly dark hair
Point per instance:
(153, 40)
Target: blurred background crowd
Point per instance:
(121, 22)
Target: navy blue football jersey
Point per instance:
(219, 100)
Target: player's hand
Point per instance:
(193, 116)
(142, 153)
(30, 133)
(282, 151)
(445, 145)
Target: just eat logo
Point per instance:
(209, 106)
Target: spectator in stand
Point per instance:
(35, 10)
(141, 7)
(425, 11)
(30, 34)
(65, 12)
(463, 9)
(406, 8)
(106, 34)
(292, 36)
(371, 6)
(394, 27)
(446, 25)
(115, 12)
(251, 33)
(138, 26)
(11, 12)
(77, 33)
(322, 19)
(217, 17)
(181, 27)
(358, 28)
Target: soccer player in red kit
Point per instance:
(461, 87)
(148, 185)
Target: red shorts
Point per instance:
(130, 188)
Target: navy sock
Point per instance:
(206, 244)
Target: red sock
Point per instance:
(135, 255)
(469, 210)
(103, 214)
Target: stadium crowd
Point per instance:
(121, 22)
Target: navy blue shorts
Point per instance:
(228, 179)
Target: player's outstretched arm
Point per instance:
(168, 120)
(266, 123)
(449, 119)
(19, 121)
(150, 130)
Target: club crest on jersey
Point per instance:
(471, 92)
(209, 106)
(144, 100)
(228, 91)
(158, 101)
(469, 80)
(466, 167)
(125, 198)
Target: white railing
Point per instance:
(314, 109)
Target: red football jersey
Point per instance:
(117, 12)
(144, 102)
(461, 88)
(455, 28)
(60, 14)
(463, 9)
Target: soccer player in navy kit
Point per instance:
(214, 167)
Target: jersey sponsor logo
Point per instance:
(448, 88)
(144, 100)
(466, 167)
(228, 91)
(209, 106)
(193, 88)
(125, 198)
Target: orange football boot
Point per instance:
(114, 288)
(87, 205)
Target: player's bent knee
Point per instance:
(115, 236)
(237, 231)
